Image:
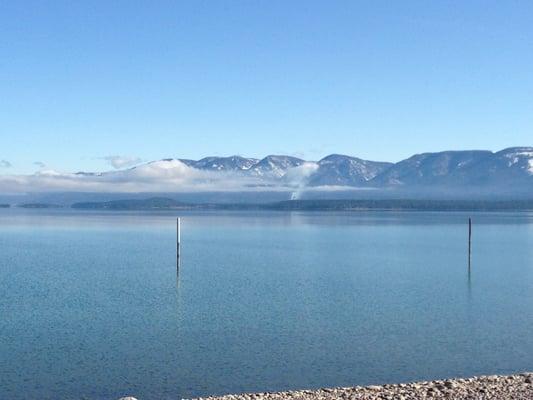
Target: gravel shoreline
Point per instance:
(501, 387)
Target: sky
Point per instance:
(101, 85)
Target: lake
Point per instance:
(91, 305)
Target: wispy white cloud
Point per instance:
(5, 164)
(298, 177)
(158, 176)
(119, 162)
(40, 164)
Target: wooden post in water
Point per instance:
(178, 240)
(469, 240)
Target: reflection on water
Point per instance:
(93, 304)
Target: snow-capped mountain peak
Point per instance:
(275, 165)
(519, 157)
(231, 163)
(342, 170)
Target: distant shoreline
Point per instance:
(168, 204)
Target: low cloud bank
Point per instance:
(158, 176)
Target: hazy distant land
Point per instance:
(167, 204)
(313, 205)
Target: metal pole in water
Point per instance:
(469, 240)
(178, 240)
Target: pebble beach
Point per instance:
(501, 387)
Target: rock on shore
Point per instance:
(515, 387)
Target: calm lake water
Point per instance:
(91, 306)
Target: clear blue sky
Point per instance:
(378, 80)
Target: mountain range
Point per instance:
(446, 175)
(457, 168)
(510, 169)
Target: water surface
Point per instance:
(91, 306)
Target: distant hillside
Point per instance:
(405, 205)
(154, 203)
(275, 166)
(507, 169)
(38, 205)
(232, 163)
(315, 205)
(340, 170)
